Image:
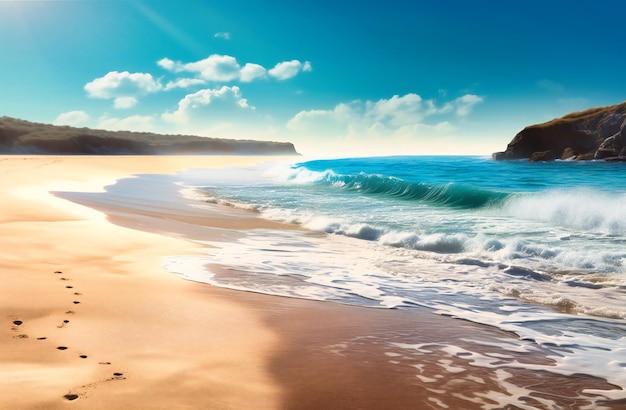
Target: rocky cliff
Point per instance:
(597, 133)
(24, 137)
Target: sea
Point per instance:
(534, 249)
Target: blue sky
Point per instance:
(333, 77)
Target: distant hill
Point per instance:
(596, 133)
(24, 137)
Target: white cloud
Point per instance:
(125, 102)
(465, 104)
(123, 87)
(229, 97)
(72, 118)
(389, 124)
(167, 64)
(184, 83)
(132, 123)
(398, 111)
(224, 68)
(223, 35)
(289, 69)
(251, 72)
(216, 67)
(392, 113)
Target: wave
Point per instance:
(580, 209)
(451, 194)
(552, 231)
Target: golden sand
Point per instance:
(88, 312)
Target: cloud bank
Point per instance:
(404, 123)
(393, 114)
(125, 88)
(220, 68)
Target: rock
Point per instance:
(585, 157)
(616, 159)
(606, 149)
(499, 156)
(613, 146)
(542, 156)
(577, 135)
(621, 137)
(569, 154)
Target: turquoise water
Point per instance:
(551, 218)
(537, 249)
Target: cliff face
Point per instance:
(23, 137)
(597, 133)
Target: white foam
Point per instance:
(580, 208)
(333, 269)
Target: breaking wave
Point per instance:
(451, 194)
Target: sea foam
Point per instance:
(581, 209)
(504, 244)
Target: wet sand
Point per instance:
(91, 320)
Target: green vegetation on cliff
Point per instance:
(24, 137)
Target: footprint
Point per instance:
(69, 287)
(58, 272)
(16, 325)
(83, 391)
(76, 302)
(70, 312)
(62, 348)
(83, 356)
(42, 338)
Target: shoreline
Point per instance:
(113, 329)
(181, 343)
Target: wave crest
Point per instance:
(450, 195)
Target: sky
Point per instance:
(336, 78)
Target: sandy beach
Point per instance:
(92, 320)
(89, 312)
